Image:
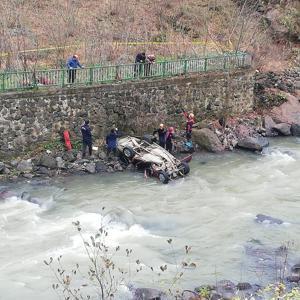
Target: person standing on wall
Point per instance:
(86, 138)
(73, 64)
(190, 121)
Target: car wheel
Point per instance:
(185, 168)
(128, 152)
(124, 159)
(163, 177)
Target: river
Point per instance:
(212, 210)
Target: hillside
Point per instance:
(115, 30)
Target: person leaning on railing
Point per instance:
(73, 64)
(150, 59)
(140, 60)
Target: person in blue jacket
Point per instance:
(111, 141)
(73, 64)
(87, 140)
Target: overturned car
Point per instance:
(153, 159)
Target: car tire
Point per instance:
(124, 159)
(163, 177)
(128, 152)
(185, 168)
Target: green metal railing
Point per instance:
(104, 74)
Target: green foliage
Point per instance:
(54, 145)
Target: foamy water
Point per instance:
(212, 210)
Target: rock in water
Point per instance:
(207, 140)
(47, 161)
(69, 156)
(253, 143)
(25, 166)
(260, 218)
(283, 129)
(148, 294)
(90, 168)
(295, 129)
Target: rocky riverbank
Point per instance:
(276, 113)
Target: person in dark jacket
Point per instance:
(73, 64)
(111, 141)
(140, 61)
(86, 138)
(161, 131)
(170, 136)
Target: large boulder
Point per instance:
(25, 166)
(269, 126)
(60, 163)
(2, 167)
(253, 143)
(283, 129)
(295, 129)
(47, 161)
(207, 140)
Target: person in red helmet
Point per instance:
(170, 136)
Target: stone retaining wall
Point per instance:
(31, 117)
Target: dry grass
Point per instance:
(93, 27)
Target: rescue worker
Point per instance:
(111, 141)
(189, 123)
(161, 131)
(86, 138)
(170, 136)
(73, 64)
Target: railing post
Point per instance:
(205, 64)
(3, 82)
(164, 68)
(185, 66)
(243, 60)
(91, 75)
(62, 77)
(224, 63)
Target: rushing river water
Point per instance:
(212, 210)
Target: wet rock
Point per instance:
(190, 295)
(283, 129)
(25, 166)
(215, 296)
(69, 156)
(296, 269)
(2, 167)
(47, 161)
(295, 129)
(226, 288)
(90, 168)
(207, 140)
(43, 171)
(60, 163)
(242, 286)
(28, 175)
(293, 278)
(118, 167)
(148, 294)
(82, 161)
(14, 163)
(100, 167)
(260, 218)
(253, 143)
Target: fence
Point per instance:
(105, 74)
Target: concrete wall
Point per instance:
(30, 117)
